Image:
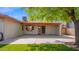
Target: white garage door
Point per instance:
(1, 25)
(11, 29)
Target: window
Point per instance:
(68, 25)
(29, 28)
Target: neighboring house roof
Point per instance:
(6, 17)
(40, 24)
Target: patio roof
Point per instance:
(40, 24)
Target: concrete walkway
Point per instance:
(39, 39)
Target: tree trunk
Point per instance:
(71, 14)
(76, 24)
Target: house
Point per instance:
(70, 29)
(11, 28)
(42, 28)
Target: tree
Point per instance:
(24, 18)
(49, 14)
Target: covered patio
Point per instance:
(41, 28)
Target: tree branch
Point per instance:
(71, 14)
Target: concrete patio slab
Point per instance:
(39, 39)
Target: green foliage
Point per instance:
(77, 13)
(49, 14)
(35, 47)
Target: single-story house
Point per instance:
(68, 29)
(42, 28)
(11, 28)
(71, 29)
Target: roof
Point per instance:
(40, 24)
(6, 17)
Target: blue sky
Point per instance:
(15, 12)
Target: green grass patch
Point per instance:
(35, 47)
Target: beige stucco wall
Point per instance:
(1, 25)
(52, 30)
(12, 29)
(48, 30)
(35, 31)
(71, 31)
